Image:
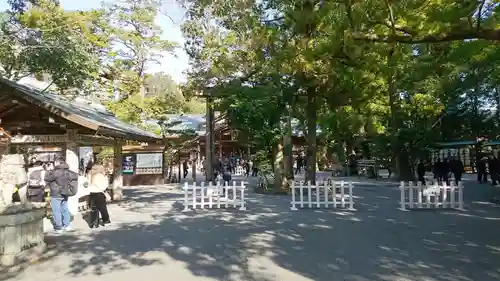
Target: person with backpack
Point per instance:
(63, 183)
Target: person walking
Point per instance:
(445, 172)
(421, 172)
(98, 183)
(457, 168)
(437, 170)
(482, 175)
(63, 184)
(185, 168)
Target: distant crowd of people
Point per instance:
(488, 165)
(226, 166)
(445, 169)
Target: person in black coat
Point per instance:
(445, 172)
(481, 170)
(437, 169)
(457, 168)
(494, 166)
(421, 172)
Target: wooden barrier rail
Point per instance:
(214, 196)
(431, 196)
(324, 193)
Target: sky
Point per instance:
(174, 64)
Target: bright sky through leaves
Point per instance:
(170, 64)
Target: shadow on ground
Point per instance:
(270, 242)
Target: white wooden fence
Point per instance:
(431, 196)
(239, 171)
(214, 195)
(324, 193)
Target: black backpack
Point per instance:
(68, 184)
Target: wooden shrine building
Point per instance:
(30, 117)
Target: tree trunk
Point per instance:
(401, 157)
(497, 101)
(209, 142)
(279, 172)
(287, 142)
(311, 134)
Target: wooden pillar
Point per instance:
(220, 145)
(118, 171)
(180, 167)
(72, 151)
(72, 159)
(198, 153)
(288, 146)
(193, 169)
(209, 142)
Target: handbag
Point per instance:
(108, 197)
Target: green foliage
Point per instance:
(256, 58)
(47, 39)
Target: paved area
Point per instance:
(150, 239)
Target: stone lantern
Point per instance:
(21, 224)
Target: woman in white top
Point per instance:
(98, 183)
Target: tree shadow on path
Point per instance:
(270, 242)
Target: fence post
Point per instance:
(334, 185)
(445, 195)
(453, 201)
(326, 185)
(342, 195)
(318, 185)
(186, 200)
(234, 194)
(210, 194)
(419, 194)
(411, 193)
(309, 199)
(242, 192)
(402, 198)
(202, 190)
(351, 199)
(194, 196)
(301, 194)
(293, 207)
(460, 197)
(428, 196)
(226, 192)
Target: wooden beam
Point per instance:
(30, 139)
(62, 138)
(11, 109)
(95, 140)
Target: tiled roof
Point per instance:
(99, 118)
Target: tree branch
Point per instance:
(479, 15)
(453, 35)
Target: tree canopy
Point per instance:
(104, 54)
(400, 74)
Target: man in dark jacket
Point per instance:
(421, 172)
(437, 170)
(457, 168)
(494, 167)
(445, 172)
(58, 180)
(481, 170)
